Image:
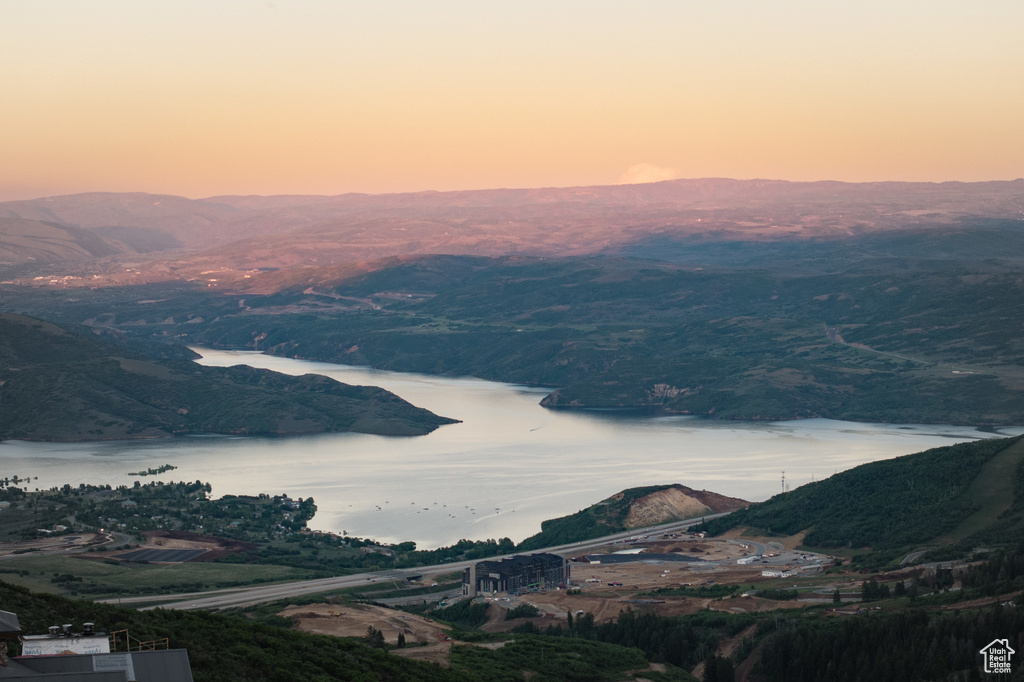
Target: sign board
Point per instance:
(44, 645)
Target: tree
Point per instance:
(726, 673)
(374, 638)
(401, 640)
(718, 669)
(711, 669)
(585, 625)
(836, 598)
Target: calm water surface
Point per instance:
(508, 466)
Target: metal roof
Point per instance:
(15, 670)
(9, 624)
(519, 561)
(142, 666)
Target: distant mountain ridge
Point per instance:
(242, 233)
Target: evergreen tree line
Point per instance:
(1000, 573)
(884, 505)
(902, 647)
(680, 641)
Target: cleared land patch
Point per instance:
(992, 490)
(162, 556)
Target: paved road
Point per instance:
(912, 557)
(248, 596)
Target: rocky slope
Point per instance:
(632, 508)
(676, 502)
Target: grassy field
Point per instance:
(992, 491)
(99, 578)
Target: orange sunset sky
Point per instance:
(206, 97)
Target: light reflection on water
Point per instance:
(508, 466)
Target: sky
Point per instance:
(207, 97)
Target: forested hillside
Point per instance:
(56, 384)
(965, 494)
(922, 344)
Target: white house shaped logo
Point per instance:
(997, 656)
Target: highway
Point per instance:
(258, 594)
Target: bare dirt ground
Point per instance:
(353, 620)
(217, 547)
(425, 639)
(751, 604)
(596, 594)
(606, 589)
(790, 542)
(605, 601)
(60, 543)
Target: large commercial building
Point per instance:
(516, 574)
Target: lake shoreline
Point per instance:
(509, 465)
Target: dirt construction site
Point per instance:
(354, 620)
(56, 544)
(624, 575)
(605, 584)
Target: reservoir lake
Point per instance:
(508, 465)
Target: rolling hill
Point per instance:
(59, 385)
(24, 240)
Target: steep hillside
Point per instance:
(632, 508)
(58, 385)
(968, 494)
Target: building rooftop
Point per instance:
(136, 666)
(9, 626)
(519, 560)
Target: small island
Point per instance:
(154, 471)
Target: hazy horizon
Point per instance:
(501, 189)
(202, 99)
